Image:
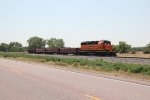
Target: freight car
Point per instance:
(66, 51)
(99, 48)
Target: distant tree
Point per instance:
(36, 42)
(55, 43)
(148, 46)
(3, 47)
(123, 47)
(24, 49)
(138, 48)
(147, 49)
(15, 47)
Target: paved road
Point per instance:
(25, 81)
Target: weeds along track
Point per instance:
(128, 60)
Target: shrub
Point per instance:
(146, 52)
(133, 52)
(136, 69)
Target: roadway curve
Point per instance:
(28, 81)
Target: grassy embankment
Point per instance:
(95, 65)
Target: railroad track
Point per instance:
(130, 60)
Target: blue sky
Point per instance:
(76, 20)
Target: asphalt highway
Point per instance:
(29, 81)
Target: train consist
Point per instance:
(98, 48)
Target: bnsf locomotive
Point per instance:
(99, 48)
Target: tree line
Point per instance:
(38, 42)
(11, 47)
(123, 47)
(33, 42)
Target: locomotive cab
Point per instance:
(107, 45)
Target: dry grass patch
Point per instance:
(61, 64)
(137, 54)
